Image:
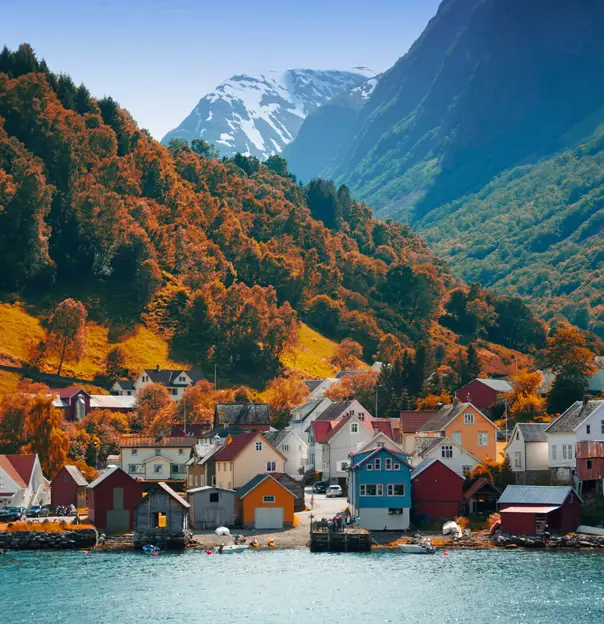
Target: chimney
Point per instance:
(157, 368)
(585, 400)
(455, 401)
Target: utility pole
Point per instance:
(376, 400)
(506, 420)
(215, 384)
(184, 427)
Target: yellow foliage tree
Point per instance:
(283, 394)
(432, 401)
(524, 404)
(346, 354)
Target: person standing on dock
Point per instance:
(312, 501)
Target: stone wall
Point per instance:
(163, 538)
(566, 541)
(36, 540)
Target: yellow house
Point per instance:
(248, 455)
(467, 426)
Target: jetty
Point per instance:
(327, 537)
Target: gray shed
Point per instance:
(162, 518)
(211, 507)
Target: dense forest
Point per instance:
(222, 256)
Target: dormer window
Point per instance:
(182, 378)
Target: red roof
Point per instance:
(535, 509)
(383, 426)
(67, 393)
(478, 485)
(23, 464)
(412, 421)
(321, 428)
(340, 424)
(230, 451)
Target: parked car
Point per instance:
(334, 490)
(320, 487)
(12, 514)
(37, 511)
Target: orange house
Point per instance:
(467, 426)
(264, 503)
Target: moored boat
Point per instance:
(424, 547)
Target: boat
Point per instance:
(150, 548)
(231, 549)
(424, 547)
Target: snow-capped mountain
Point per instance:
(260, 115)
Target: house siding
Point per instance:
(101, 499)
(210, 515)
(65, 491)
(254, 499)
(470, 433)
(477, 393)
(248, 464)
(437, 492)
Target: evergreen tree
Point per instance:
(278, 164)
(66, 91)
(24, 61)
(6, 62)
(564, 392)
(83, 100)
(473, 363)
(322, 201)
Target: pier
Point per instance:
(328, 538)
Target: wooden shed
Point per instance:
(69, 487)
(436, 491)
(161, 518)
(111, 501)
(211, 507)
(264, 503)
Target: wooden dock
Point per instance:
(348, 540)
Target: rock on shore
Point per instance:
(566, 541)
(36, 540)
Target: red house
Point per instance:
(483, 393)
(436, 490)
(69, 487)
(112, 499)
(74, 402)
(526, 509)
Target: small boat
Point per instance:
(231, 549)
(150, 548)
(422, 548)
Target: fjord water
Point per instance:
(296, 587)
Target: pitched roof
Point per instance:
(536, 494)
(7, 466)
(425, 445)
(276, 437)
(209, 487)
(67, 393)
(426, 464)
(242, 414)
(340, 424)
(290, 483)
(125, 384)
(110, 401)
(499, 385)
(169, 377)
(312, 384)
(230, 451)
(412, 421)
(577, 413)
(319, 391)
(321, 429)
(383, 426)
(151, 442)
(535, 509)
(23, 465)
(254, 482)
(76, 475)
(193, 431)
(104, 475)
(302, 412)
(443, 417)
(335, 410)
(400, 456)
(533, 432)
(177, 497)
(478, 485)
(350, 373)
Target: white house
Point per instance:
(448, 452)
(527, 451)
(22, 483)
(293, 448)
(381, 439)
(303, 415)
(596, 381)
(155, 460)
(176, 381)
(583, 421)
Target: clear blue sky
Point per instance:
(157, 58)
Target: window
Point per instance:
(396, 466)
(214, 497)
(258, 446)
(182, 378)
(446, 451)
(158, 451)
(553, 451)
(602, 427)
(129, 392)
(588, 429)
(567, 451)
(218, 467)
(483, 438)
(517, 460)
(213, 480)
(466, 470)
(589, 464)
(372, 490)
(570, 451)
(354, 427)
(132, 468)
(158, 468)
(362, 490)
(342, 466)
(399, 489)
(388, 463)
(369, 466)
(271, 466)
(230, 467)
(285, 447)
(468, 418)
(173, 391)
(564, 451)
(181, 451)
(390, 490)
(135, 451)
(145, 379)
(380, 489)
(396, 511)
(268, 499)
(378, 463)
(517, 435)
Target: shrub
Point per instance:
(492, 519)
(462, 522)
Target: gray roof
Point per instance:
(276, 437)
(443, 417)
(423, 445)
(169, 377)
(125, 384)
(499, 385)
(106, 473)
(203, 488)
(241, 414)
(302, 412)
(335, 410)
(574, 416)
(257, 480)
(426, 464)
(536, 494)
(349, 373)
(312, 384)
(76, 475)
(533, 432)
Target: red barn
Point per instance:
(436, 490)
(112, 499)
(69, 487)
(526, 509)
(483, 393)
(74, 402)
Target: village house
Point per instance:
(436, 491)
(483, 393)
(293, 448)
(303, 415)
(381, 439)
(481, 497)
(340, 409)
(176, 382)
(75, 403)
(590, 467)
(526, 509)
(379, 489)
(69, 487)
(22, 483)
(295, 486)
(528, 453)
(112, 498)
(196, 430)
(211, 507)
(411, 421)
(265, 503)
(583, 421)
(457, 458)
(317, 433)
(161, 518)
(246, 416)
(467, 426)
(152, 459)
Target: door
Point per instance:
(456, 437)
(268, 517)
(118, 521)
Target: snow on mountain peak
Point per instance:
(259, 115)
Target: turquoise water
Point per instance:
(291, 587)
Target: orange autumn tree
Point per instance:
(431, 401)
(155, 408)
(524, 404)
(346, 354)
(360, 387)
(283, 394)
(67, 331)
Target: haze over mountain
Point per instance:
(502, 98)
(260, 115)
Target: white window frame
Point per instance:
(258, 445)
(396, 466)
(132, 468)
(388, 463)
(354, 427)
(483, 438)
(271, 466)
(369, 466)
(268, 500)
(564, 452)
(554, 452)
(362, 490)
(285, 447)
(377, 463)
(134, 451)
(380, 489)
(158, 469)
(468, 418)
(343, 465)
(446, 451)
(390, 489)
(517, 459)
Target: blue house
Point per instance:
(379, 489)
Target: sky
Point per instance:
(158, 58)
